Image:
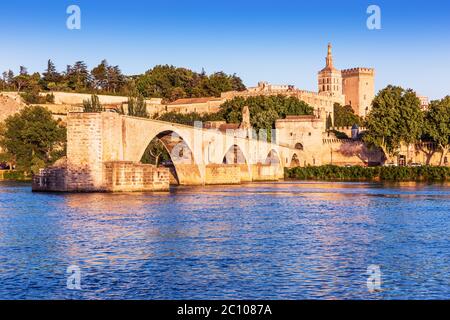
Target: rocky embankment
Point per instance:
(10, 103)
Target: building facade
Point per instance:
(355, 87)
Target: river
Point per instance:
(286, 240)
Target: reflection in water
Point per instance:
(268, 240)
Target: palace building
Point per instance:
(353, 86)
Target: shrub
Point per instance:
(15, 175)
(358, 173)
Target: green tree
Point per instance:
(51, 77)
(8, 79)
(155, 153)
(137, 107)
(106, 78)
(22, 80)
(116, 81)
(32, 138)
(171, 83)
(93, 105)
(78, 77)
(189, 118)
(217, 83)
(437, 125)
(264, 110)
(100, 76)
(329, 122)
(344, 116)
(395, 118)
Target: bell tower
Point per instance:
(330, 78)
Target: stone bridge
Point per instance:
(104, 151)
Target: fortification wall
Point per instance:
(70, 98)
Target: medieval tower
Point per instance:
(359, 89)
(355, 86)
(330, 78)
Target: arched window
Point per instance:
(299, 146)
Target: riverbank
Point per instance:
(13, 175)
(356, 173)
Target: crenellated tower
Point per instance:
(359, 89)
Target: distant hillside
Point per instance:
(10, 103)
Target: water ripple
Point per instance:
(257, 241)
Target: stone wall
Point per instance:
(125, 176)
(246, 175)
(119, 176)
(70, 98)
(266, 172)
(85, 152)
(343, 152)
(304, 130)
(223, 174)
(51, 180)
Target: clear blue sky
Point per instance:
(282, 41)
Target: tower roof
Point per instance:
(329, 61)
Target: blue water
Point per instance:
(273, 241)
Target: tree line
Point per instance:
(397, 119)
(162, 81)
(264, 111)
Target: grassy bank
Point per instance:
(13, 175)
(335, 173)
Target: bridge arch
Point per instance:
(184, 167)
(235, 156)
(273, 158)
(295, 161)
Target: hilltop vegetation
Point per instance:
(162, 81)
(264, 111)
